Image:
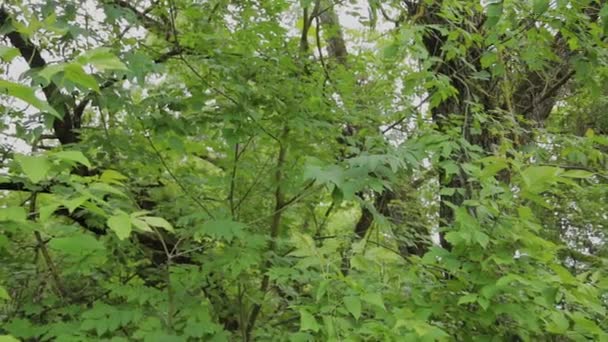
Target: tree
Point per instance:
(255, 170)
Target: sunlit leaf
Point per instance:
(577, 174)
(8, 53)
(353, 305)
(36, 168)
(374, 299)
(79, 244)
(73, 156)
(540, 6)
(4, 294)
(28, 95)
(158, 222)
(15, 214)
(76, 74)
(120, 223)
(8, 338)
(308, 321)
(466, 299)
(222, 229)
(112, 177)
(102, 59)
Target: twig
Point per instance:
(43, 249)
(252, 186)
(192, 250)
(225, 95)
(385, 247)
(233, 179)
(325, 218)
(401, 119)
(575, 167)
(175, 179)
(551, 91)
(170, 294)
(321, 58)
(292, 201)
(274, 226)
(319, 13)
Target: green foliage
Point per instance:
(27, 95)
(221, 171)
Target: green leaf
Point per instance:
(353, 305)
(466, 299)
(564, 275)
(139, 213)
(45, 212)
(4, 294)
(481, 238)
(489, 58)
(604, 16)
(158, 222)
(577, 174)
(106, 188)
(538, 179)
(141, 225)
(112, 177)
(481, 75)
(494, 12)
(8, 53)
(73, 203)
(337, 195)
(322, 289)
(583, 324)
(374, 299)
(456, 237)
(8, 338)
(450, 167)
(222, 229)
(308, 321)
(391, 51)
(27, 95)
(540, 6)
(464, 219)
(493, 167)
(51, 70)
(73, 156)
(76, 74)
(15, 214)
(328, 175)
(120, 224)
(447, 191)
(558, 323)
(483, 303)
(102, 59)
(77, 245)
(36, 168)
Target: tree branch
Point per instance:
(44, 250)
(274, 227)
(31, 53)
(146, 20)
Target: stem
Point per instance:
(174, 177)
(170, 293)
(242, 313)
(45, 252)
(233, 179)
(279, 196)
(170, 297)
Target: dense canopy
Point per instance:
(313, 170)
